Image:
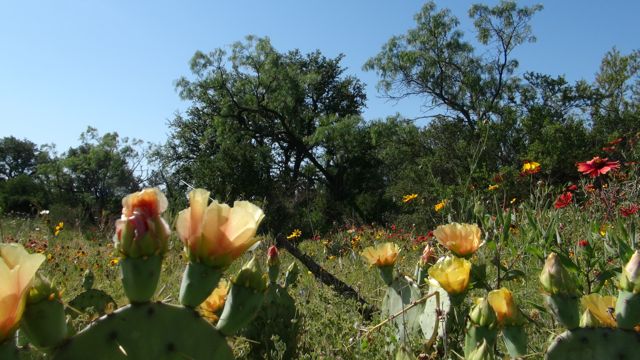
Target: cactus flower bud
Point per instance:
(217, 234)
(507, 312)
(17, 270)
(273, 263)
(452, 274)
(428, 256)
(482, 314)
(630, 277)
(461, 239)
(141, 231)
(555, 279)
(483, 352)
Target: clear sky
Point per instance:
(111, 64)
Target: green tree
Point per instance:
(253, 127)
(17, 157)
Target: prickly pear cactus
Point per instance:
(92, 299)
(433, 318)
(400, 294)
(147, 331)
(595, 344)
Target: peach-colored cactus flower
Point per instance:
(17, 269)
(217, 234)
(461, 239)
(382, 255)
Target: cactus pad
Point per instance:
(147, 331)
(595, 344)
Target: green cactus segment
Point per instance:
(399, 295)
(8, 350)
(291, 276)
(515, 340)
(433, 320)
(386, 273)
(198, 281)
(484, 351)
(628, 310)
(476, 335)
(277, 319)
(595, 344)
(87, 279)
(140, 277)
(240, 308)
(44, 323)
(565, 309)
(98, 301)
(147, 331)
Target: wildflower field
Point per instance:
(497, 277)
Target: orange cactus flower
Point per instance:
(217, 234)
(17, 270)
(382, 255)
(597, 166)
(461, 239)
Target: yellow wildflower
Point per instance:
(294, 234)
(212, 306)
(407, 198)
(493, 187)
(439, 206)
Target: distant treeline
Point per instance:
(284, 129)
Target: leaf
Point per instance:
(513, 274)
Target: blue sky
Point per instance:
(111, 64)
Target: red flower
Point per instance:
(563, 200)
(597, 166)
(589, 188)
(572, 187)
(629, 210)
(609, 149)
(583, 243)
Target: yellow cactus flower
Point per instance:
(215, 302)
(382, 255)
(461, 239)
(217, 234)
(409, 197)
(17, 270)
(439, 206)
(452, 273)
(601, 308)
(501, 301)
